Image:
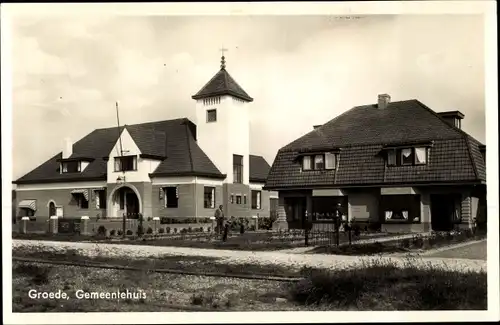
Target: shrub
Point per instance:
(189, 229)
(383, 286)
(418, 241)
(169, 220)
(112, 232)
(175, 230)
(119, 232)
(209, 229)
(168, 230)
(101, 230)
(161, 231)
(150, 230)
(183, 230)
(140, 230)
(405, 243)
(130, 232)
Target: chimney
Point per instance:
(454, 118)
(317, 126)
(68, 148)
(383, 101)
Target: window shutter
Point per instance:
(330, 160)
(258, 200)
(117, 164)
(134, 163)
(161, 193)
(97, 201)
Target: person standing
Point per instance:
(219, 217)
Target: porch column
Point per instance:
(467, 218)
(281, 223)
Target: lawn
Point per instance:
(416, 244)
(254, 241)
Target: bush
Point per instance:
(175, 230)
(405, 243)
(101, 230)
(189, 229)
(168, 230)
(150, 230)
(209, 229)
(119, 232)
(418, 241)
(169, 220)
(112, 232)
(183, 230)
(383, 286)
(140, 230)
(130, 232)
(161, 231)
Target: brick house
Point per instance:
(172, 168)
(398, 165)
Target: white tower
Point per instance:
(223, 124)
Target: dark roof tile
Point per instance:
(222, 84)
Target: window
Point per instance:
(126, 163)
(100, 199)
(306, 163)
(256, 200)
(406, 156)
(81, 201)
(171, 197)
(211, 115)
(209, 197)
(245, 199)
(231, 199)
(70, 167)
(420, 156)
(400, 208)
(319, 162)
(391, 158)
(330, 161)
(237, 169)
(238, 199)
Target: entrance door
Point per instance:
(52, 209)
(442, 211)
(132, 204)
(295, 210)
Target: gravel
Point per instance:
(326, 261)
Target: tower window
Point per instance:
(237, 169)
(211, 115)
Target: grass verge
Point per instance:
(383, 286)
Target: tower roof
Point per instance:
(222, 84)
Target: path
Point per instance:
(475, 250)
(243, 257)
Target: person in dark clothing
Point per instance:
(219, 217)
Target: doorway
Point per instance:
(295, 208)
(445, 211)
(132, 204)
(52, 209)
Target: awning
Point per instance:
(28, 204)
(85, 192)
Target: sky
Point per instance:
(69, 71)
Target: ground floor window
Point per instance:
(209, 197)
(27, 212)
(326, 207)
(400, 208)
(256, 196)
(100, 199)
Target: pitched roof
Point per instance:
(171, 141)
(259, 169)
(222, 84)
(363, 131)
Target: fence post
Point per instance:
(54, 224)
(306, 229)
(24, 225)
(156, 222)
(84, 226)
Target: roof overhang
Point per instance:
(222, 93)
(155, 157)
(199, 174)
(58, 180)
(89, 159)
(398, 145)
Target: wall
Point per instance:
(144, 166)
(229, 135)
(61, 197)
(363, 204)
(233, 209)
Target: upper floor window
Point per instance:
(407, 156)
(71, 167)
(319, 161)
(237, 169)
(211, 115)
(125, 163)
